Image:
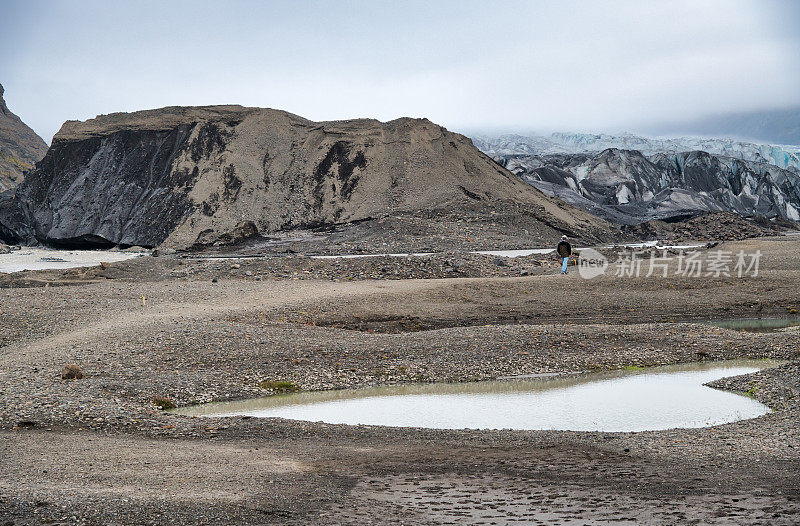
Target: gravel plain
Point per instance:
(98, 450)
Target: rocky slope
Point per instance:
(719, 226)
(628, 187)
(20, 147)
(193, 176)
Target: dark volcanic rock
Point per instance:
(183, 177)
(745, 187)
(72, 199)
(713, 225)
(20, 147)
(241, 232)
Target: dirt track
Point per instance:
(97, 450)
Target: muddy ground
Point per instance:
(97, 450)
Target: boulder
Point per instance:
(241, 232)
(71, 372)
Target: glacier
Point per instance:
(782, 156)
(655, 178)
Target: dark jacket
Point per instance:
(564, 249)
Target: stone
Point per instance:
(71, 372)
(241, 232)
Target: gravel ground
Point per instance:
(97, 449)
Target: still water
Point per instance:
(630, 400)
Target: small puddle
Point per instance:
(629, 400)
(756, 324)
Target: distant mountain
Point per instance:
(772, 126)
(571, 143)
(626, 186)
(20, 147)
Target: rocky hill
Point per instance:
(20, 147)
(194, 176)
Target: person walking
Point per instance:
(564, 252)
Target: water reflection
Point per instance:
(629, 400)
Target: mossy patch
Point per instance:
(752, 391)
(164, 403)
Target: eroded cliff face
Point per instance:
(183, 177)
(20, 147)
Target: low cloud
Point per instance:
(498, 65)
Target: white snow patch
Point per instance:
(355, 256)
(623, 194)
(515, 253)
(792, 213)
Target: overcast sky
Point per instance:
(527, 65)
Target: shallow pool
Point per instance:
(39, 258)
(629, 400)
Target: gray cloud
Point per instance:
(499, 65)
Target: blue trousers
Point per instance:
(564, 262)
